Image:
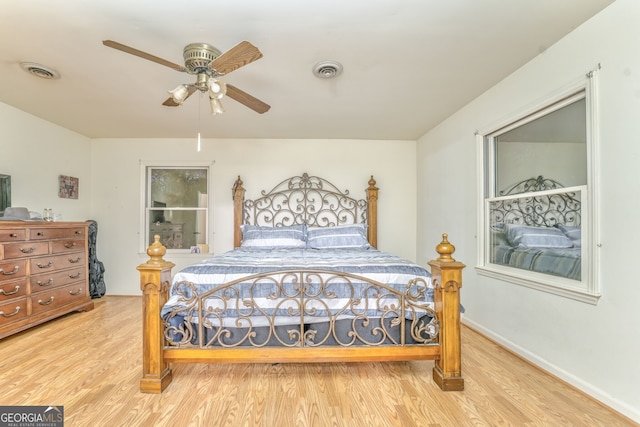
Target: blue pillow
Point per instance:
(536, 237)
(288, 237)
(342, 236)
(572, 232)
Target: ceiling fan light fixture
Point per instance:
(216, 89)
(216, 106)
(179, 94)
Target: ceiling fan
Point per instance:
(207, 63)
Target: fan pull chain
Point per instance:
(199, 108)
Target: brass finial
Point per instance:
(372, 182)
(156, 251)
(445, 249)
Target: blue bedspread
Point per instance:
(563, 262)
(398, 273)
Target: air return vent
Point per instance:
(40, 70)
(327, 69)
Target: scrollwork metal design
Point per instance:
(301, 308)
(306, 200)
(539, 210)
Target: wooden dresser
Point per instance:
(43, 272)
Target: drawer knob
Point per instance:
(46, 302)
(9, 273)
(78, 292)
(13, 235)
(3, 314)
(27, 250)
(70, 245)
(74, 261)
(14, 291)
(74, 276)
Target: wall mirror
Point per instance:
(5, 192)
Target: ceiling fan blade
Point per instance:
(171, 103)
(238, 56)
(143, 55)
(247, 100)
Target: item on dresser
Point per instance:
(43, 272)
(47, 215)
(16, 214)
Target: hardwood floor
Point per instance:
(90, 363)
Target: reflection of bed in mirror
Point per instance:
(538, 231)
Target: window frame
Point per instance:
(588, 288)
(145, 187)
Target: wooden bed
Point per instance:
(314, 202)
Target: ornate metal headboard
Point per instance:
(537, 209)
(305, 199)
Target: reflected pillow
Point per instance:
(572, 232)
(341, 236)
(289, 237)
(536, 237)
(498, 236)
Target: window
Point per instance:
(537, 221)
(176, 207)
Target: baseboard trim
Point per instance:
(598, 395)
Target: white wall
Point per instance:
(262, 164)
(35, 152)
(593, 347)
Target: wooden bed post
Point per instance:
(372, 218)
(155, 277)
(238, 200)
(447, 278)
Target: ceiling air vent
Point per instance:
(327, 69)
(40, 70)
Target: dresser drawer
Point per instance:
(24, 249)
(58, 297)
(54, 279)
(57, 262)
(71, 245)
(12, 311)
(13, 289)
(13, 235)
(10, 270)
(56, 233)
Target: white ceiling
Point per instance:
(408, 64)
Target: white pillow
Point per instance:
(254, 236)
(338, 237)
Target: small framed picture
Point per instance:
(68, 187)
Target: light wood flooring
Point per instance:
(90, 363)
